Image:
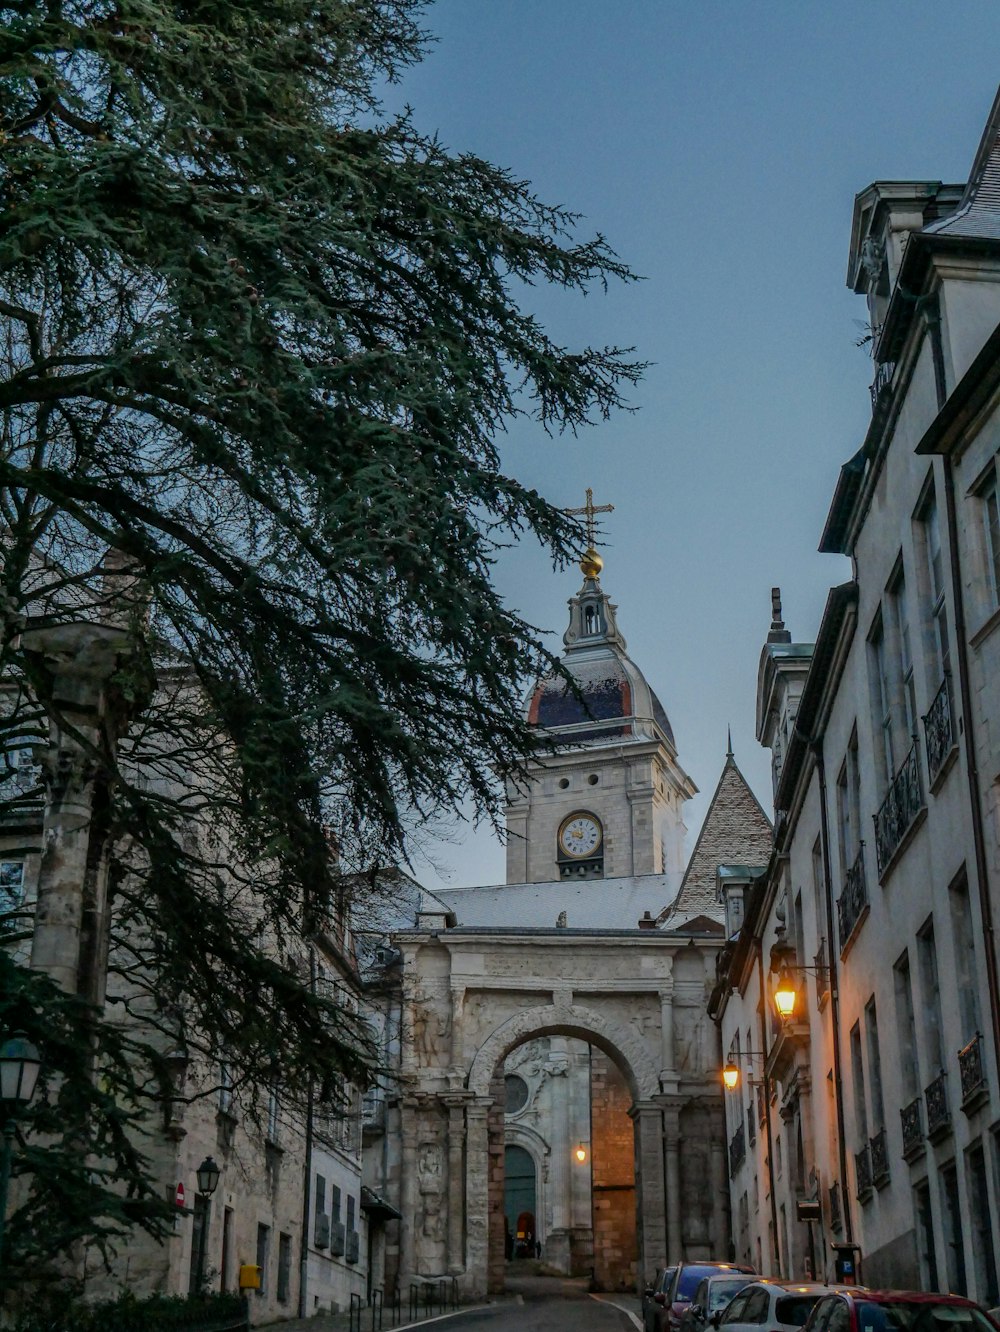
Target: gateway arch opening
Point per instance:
(563, 1164)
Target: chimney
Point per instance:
(647, 922)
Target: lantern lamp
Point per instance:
(581, 1153)
(208, 1177)
(19, 1065)
(731, 1076)
(785, 994)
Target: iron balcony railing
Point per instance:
(936, 1100)
(879, 1150)
(761, 1102)
(863, 1168)
(835, 1220)
(902, 804)
(737, 1149)
(913, 1132)
(751, 1126)
(939, 730)
(884, 372)
(971, 1073)
(853, 900)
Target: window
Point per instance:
(930, 997)
(901, 627)
(882, 704)
(350, 1212)
(925, 1236)
(951, 1215)
(849, 806)
(858, 1079)
(906, 1028)
(335, 1203)
(11, 890)
(263, 1255)
(225, 1089)
(965, 958)
(983, 1255)
(320, 1203)
(284, 1267)
(935, 582)
(757, 1306)
(199, 1244)
(990, 514)
(874, 1065)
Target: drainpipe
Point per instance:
(971, 761)
(307, 1185)
(838, 1081)
(765, 1051)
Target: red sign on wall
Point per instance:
(179, 1195)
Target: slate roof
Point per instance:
(597, 904)
(978, 215)
(736, 831)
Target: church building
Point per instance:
(560, 1084)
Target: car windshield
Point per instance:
(721, 1292)
(902, 1316)
(793, 1310)
(689, 1278)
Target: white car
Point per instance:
(777, 1306)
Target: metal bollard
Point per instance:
(414, 1301)
(356, 1307)
(377, 1310)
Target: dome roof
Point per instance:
(614, 699)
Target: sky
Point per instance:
(718, 146)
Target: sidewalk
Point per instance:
(341, 1322)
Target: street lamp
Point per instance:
(731, 1076)
(207, 1174)
(581, 1153)
(19, 1065)
(785, 994)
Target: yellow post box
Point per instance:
(249, 1276)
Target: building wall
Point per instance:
(612, 1176)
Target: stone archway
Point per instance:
(470, 997)
(629, 1054)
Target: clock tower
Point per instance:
(609, 803)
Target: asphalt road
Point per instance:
(544, 1304)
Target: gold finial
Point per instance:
(591, 564)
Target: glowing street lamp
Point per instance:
(731, 1076)
(581, 1153)
(785, 994)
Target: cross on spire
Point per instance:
(590, 509)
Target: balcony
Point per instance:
(884, 372)
(863, 1170)
(939, 732)
(899, 811)
(913, 1130)
(822, 964)
(853, 901)
(972, 1074)
(938, 1115)
(835, 1218)
(879, 1152)
(761, 1096)
(737, 1150)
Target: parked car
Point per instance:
(711, 1299)
(897, 1311)
(682, 1289)
(654, 1297)
(774, 1306)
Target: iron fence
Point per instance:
(863, 1170)
(879, 1150)
(971, 1073)
(737, 1149)
(902, 804)
(936, 1100)
(853, 900)
(939, 730)
(913, 1132)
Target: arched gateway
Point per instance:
(600, 935)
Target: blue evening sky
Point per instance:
(719, 147)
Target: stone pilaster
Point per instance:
(653, 1203)
(671, 1146)
(477, 1190)
(456, 1184)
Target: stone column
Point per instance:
(557, 1242)
(408, 1113)
(667, 1069)
(456, 1185)
(477, 1196)
(671, 1143)
(648, 1119)
(722, 1236)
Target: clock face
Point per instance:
(580, 836)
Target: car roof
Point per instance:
(912, 1297)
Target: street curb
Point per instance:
(440, 1318)
(603, 1299)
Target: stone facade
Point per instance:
(880, 1094)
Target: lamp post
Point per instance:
(207, 1175)
(19, 1066)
